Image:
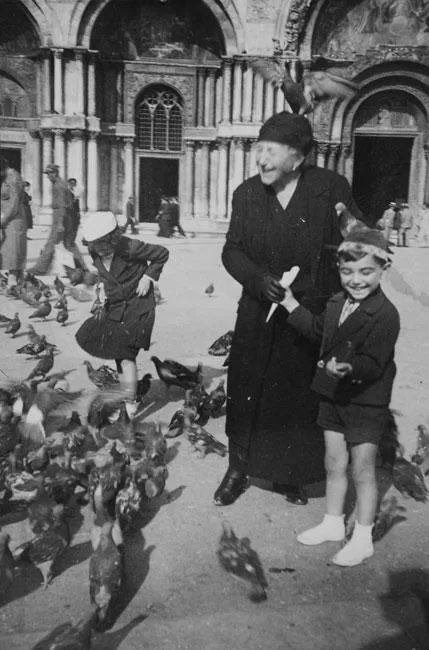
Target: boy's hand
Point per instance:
(143, 286)
(339, 369)
(289, 302)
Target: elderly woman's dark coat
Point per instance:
(271, 410)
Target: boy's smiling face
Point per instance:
(360, 278)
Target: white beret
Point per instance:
(98, 225)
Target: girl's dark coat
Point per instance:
(271, 410)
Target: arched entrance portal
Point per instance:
(388, 143)
(159, 128)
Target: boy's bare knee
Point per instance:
(336, 464)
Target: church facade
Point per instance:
(147, 98)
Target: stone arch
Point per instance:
(42, 19)
(86, 12)
(23, 76)
(291, 23)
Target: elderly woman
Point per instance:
(281, 218)
(13, 252)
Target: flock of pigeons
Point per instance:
(55, 459)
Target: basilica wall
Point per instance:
(153, 97)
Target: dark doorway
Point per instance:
(381, 173)
(158, 176)
(13, 157)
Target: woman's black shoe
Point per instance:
(233, 484)
(292, 493)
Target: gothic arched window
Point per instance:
(159, 120)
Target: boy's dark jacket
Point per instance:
(370, 332)
(132, 260)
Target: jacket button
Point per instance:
(321, 363)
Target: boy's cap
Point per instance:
(369, 239)
(51, 168)
(98, 225)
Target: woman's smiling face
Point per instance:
(360, 278)
(275, 161)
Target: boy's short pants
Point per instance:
(358, 423)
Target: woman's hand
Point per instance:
(143, 286)
(337, 369)
(271, 289)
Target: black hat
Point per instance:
(288, 128)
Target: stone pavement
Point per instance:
(176, 595)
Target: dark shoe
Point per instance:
(233, 484)
(292, 493)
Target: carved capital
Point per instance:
(45, 134)
(323, 147)
(128, 141)
(189, 145)
(334, 149)
(35, 134)
(223, 143)
(239, 142)
(59, 132)
(347, 149)
(77, 134)
(93, 135)
(58, 52)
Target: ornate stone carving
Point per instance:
(135, 82)
(77, 134)
(323, 147)
(384, 53)
(296, 20)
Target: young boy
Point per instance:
(355, 373)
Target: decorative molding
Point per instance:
(296, 20)
(388, 53)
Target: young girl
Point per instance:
(355, 373)
(127, 268)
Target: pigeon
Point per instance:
(33, 349)
(44, 365)
(105, 575)
(103, 377)
(59, 286)
(203, 441)
(173, 373)
(236, 556)
(62, 316)
(303, 89)
(421, 457)
(389, 514)
(97, 308)
(347, 221)
(6, 564)
(13, 326)
(61, 302)
(409, 480)
(209, 290)
(222, 345)
(43, 311)
(217, 398)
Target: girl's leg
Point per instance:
(360, 546)
(332, 527)
(128, 377)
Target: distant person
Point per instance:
(72, 223)
(130, 217)
(405, 224)
(13, 250)
(357, 332)
(27, 203)
(168, 217)
(61, 202)
(386, 222)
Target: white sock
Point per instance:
(358, 549)
(331, 529)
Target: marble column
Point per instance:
(120, 95)
(79, 85)
(348, 164)
(188, 208)
(213, 174)
(222, 179)
(129, 168)
(200, 96)
(247, 94)
(209, 101)
(237, 92)
(91, 83)
(218, 98)
(60, 150)
(258, 99)
(341, 160)
(113, 184)
(36, 177)
(226, 91)
(47, 81)
(58, 81)
(92, 177)
(322, 152)
(76, 160)
(238, 162)
(426, 190)
(269, 101)
(46, 160)
(253, 169)
(204, 180)
(333, 154)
